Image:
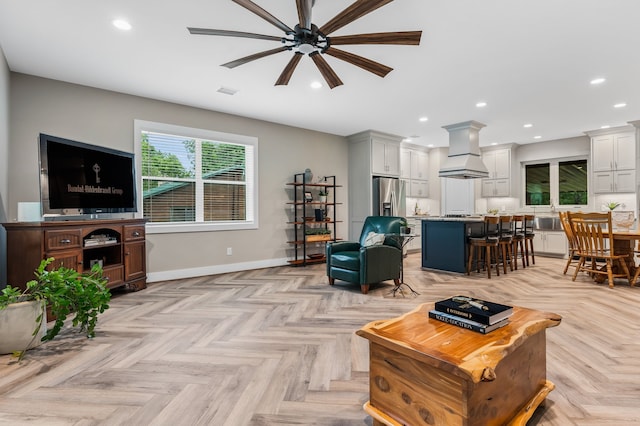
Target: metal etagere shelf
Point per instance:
(311, 229)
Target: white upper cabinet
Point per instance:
(419, 165)
(614, 181)
(385, 157)
(415, 170)
(613, 161)
(498, 163)
(405, 163)
(613, 152)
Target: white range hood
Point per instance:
(464, 161)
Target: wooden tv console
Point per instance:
(119, 244)
(426, 372)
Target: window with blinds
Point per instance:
(192, 176)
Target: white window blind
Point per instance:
(193, 176)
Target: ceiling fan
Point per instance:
(307, 39)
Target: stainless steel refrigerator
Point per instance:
(388, 197)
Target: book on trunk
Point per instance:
(473, 309)
(465, 323)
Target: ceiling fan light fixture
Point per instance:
(306, 48)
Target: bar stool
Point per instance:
(518, 240)
(528, 238)
(505, 241)
(489, 242)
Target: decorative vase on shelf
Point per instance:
(308, 176)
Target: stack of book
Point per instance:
(471, 313)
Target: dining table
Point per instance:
(624, 242)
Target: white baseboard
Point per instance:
(177, 274)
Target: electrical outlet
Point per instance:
(229, 251)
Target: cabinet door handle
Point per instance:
(65, 241)
(135, 233)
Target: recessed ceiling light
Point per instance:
(423, 119)
(406, 140)
(606, 126)
(526, 126)
(537, 137)
(481, 104)
(121, 24)
(598, 80)
(430, 145)
(620, 105)
(494, 143)
(316, 85)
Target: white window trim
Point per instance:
(554, 187)
(252, 176)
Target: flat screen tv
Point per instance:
(77, 178)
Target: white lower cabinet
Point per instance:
(550, 242)
(416, 229)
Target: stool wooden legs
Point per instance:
(506, 249)
(528, 248)
(490, 254)
(519, 246)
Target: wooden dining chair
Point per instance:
(573, 258)
(636, 274)
(594, 241)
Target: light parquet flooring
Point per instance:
(277, 347)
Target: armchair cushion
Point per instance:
(373, 239)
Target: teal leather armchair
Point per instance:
(363, 264)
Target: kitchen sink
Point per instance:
(547, 223)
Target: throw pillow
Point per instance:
(373, 239)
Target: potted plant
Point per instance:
(612, 205)
(62, 292)
(322, 195)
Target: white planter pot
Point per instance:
(17, 323)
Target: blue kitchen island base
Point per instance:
(445, 242)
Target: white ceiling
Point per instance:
(530, 60)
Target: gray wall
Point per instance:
(4, 160)
(106, 118)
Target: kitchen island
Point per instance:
(445, 241)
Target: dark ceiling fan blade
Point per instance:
(284, 78)
(327, 72)
(252, 7)
(304, 13)
(351, 13)
(364, 63)
(398, 37)
(253, 57)
(207, 31)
